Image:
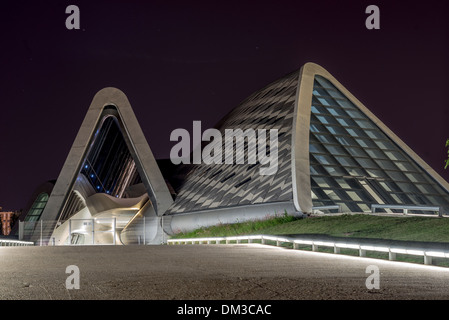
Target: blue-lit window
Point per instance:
(337, 112)
(322, 159)
(109, 159)
(356, 132)
(317, 127)
(323, 101)
(344, 122)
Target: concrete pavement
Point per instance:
(208, 272)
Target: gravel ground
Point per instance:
(225, 272)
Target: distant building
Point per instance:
(332, 151)
(7, 219)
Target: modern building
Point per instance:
(331, 152)
(6, 221)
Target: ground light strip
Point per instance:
(392, 251)
(14, 243)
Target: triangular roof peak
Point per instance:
(109, 101)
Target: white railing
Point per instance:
(50, 232)
(330, 207)
(14, 243)
(405, 208)
(336, 245)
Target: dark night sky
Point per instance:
(184, 61)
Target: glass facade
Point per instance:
(224, 185)
(110, 167)
(37, 208)
(354, 164)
